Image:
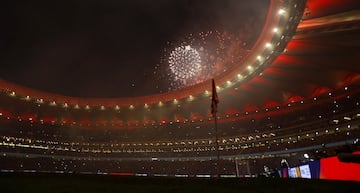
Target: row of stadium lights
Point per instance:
(102, 107)
(259, 58)
(268, 46)
(247, 140)
(250, 137)
(170, 122)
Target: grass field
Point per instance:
(77, 183)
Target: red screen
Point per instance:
(332, 169)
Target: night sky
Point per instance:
(109, 48)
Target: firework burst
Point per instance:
(184, 63)
(198, 58)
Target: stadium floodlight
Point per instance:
(191, 98)
(281, 12)
(306, 156)
(268, 45)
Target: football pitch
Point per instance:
(82, 183)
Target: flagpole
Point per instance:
(214, 102)
(217, 147)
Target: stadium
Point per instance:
(284, 103)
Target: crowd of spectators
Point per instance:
(335, 121)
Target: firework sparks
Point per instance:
(199, 57)
(184, 62)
